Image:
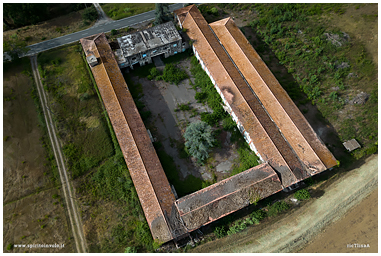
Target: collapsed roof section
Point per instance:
(147, 39)
(227, 196)
(293, 125)
(147, 174)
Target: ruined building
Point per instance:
(266, 116)
(142, 46)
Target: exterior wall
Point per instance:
(228, 108)
(146, 57)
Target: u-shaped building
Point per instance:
(266, 116)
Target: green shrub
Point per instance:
(277, 207)
(238, 226)
(130, 250)
(184, 107)
(114, 32)
(199, 139)
(258, 215)
(219, 232)
(173, 74)
(214, 11)
(90, 14)
(154, 72)
(9, 247)
(200, 96)
(228, 124)
(302, 194)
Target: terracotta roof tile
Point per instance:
(293, 125)
(227, 196)
(264, 133)
(151, 184)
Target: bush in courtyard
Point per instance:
(228, 124)
(153, 73)
(173, 74)
(302, 194)
(199, 139)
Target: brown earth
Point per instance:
(30, 213)
(359, 226)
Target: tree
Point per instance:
(199, 139)
(21, 14)
(90, 14)
(162, 14)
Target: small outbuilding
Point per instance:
(351, 145)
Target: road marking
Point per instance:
(85, 34)
(67, 38)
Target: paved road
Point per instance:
(118, 24)
(74, 216)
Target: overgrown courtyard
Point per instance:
(169, 99)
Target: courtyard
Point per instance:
(171, 109)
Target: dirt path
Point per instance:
(359, 226)
(302, 225)
(74, 216)
(102, 16)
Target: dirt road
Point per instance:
(74, 216)
(359, 226)
(292, 233)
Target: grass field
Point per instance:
(110, 208)
(117, 11)
(33, 209)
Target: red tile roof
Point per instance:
(293, 125)
(269, 142)
(147, 174)
(227, 196)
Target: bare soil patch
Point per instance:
(31, 215)
(358, 226)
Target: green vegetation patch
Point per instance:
(302, 194)
(183, 187)
(94, 156)
(117, 11)
(327, 65)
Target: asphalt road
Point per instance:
(118, 24)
